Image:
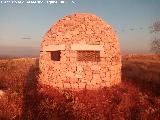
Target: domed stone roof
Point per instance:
(78, 27)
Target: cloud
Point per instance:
(26, 38)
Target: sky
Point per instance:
(22, 26)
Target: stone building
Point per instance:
(80, 51)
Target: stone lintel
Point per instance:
(87, 47)
(54, 47)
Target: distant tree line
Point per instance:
(155, 42)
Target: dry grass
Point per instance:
(143, 71)
(133, 99)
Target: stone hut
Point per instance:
(80, 51)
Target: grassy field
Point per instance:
(143, 70)
(136, 98)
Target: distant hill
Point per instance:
(12, 52)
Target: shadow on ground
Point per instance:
(137, 79)
(124, 101)
(30, 94)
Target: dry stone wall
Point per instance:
(72, 35)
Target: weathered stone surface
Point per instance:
(54, 47)
(95, 67)
(74, 35)
(86, 47)
(78, 76)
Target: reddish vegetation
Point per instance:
(143, 70)
(129, 100)
(123, 101)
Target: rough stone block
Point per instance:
(69, 74)
(79, 68)
(78, 76)
(95, 67)
(82, 85)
